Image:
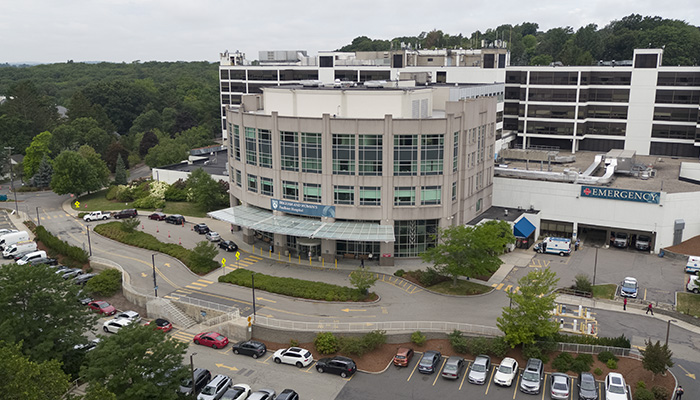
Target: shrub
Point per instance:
(176, 192)
(293, 343)
(202, 254)
(582, 363)
(583, 283)
(59, 246)
(641, 385)
(374, 339)
(598, 371)
(611, 363)
(107, 283)
(620, 341)
(400, 273)
(352, 345)
(418, 338)
(129, 224)
(532, 351)
(604, 356)
(643, 394)
(124, 194)
(326, 343)
(429, 277)
(660, 393)
(562, 362)
(149, 202)
(112, 192)
(479, 345)
(499, 346)
(459, 343)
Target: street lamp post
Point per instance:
(87, 228)
(193, 392)
(510, 298)
(153, 263)
(595, 266)
(252, 276)
(668, 329)
(38, 221)
(12, 178)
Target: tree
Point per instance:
(167, 152)
(98, 392)
(99, 173)
(470, 251)
(202, 255)
(115, 150)
(138, 363)
(40, 311)
(149, 140)
(36, 152)
(204, 189)
(42, 178)
(529, 317)
(23, 379)
(656, 358)
(71, 173)
(362, 279)
(120, 172)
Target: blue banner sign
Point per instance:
(620, 194)
(310, 210)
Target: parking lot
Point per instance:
(407, 382)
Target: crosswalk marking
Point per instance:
(205, 281)
(199, 284)
(182, 336)
(504, 287)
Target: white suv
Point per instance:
(114, 325)
(294, 356)
(615, 387)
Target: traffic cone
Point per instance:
(168, 233)
(157, 230)
(183, 224)
(179, 240)
(141, 226)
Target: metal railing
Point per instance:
(389, 326)
(595, 349)
(222, 318)
(206, 304)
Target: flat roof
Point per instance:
(498, 213)
(213, 165)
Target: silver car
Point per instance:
(212, 236)
(453, 368)
(479, 369)
(560, 386)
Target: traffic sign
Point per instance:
(238, 255)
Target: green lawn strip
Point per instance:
(184, 208)
(143, 240)
(463, 288)
(604, 291)
(294, 287)
(689, 303)
(97, 202)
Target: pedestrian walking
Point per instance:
(649, 309)
(624, 304)
(578, 242)
(362, 263)
(679, 392)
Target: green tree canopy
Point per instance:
(362, 279)
(120, 172)
(656, 358)
(99, 173)
(203, 189)
(23, 379)
(36, 152)
(71, 174)
(530, 318)
(42, 178)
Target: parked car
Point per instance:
(560, 388)
(83, 298)
(532, 377)
(43, 260)
(72, 273)
(19, 256)
(228, 245)
(82, 279)
(212, 236)
(157, 216)
(88, 346)
(428, 363)
(338, 365)
(629, 287)
(96, 215)
(175, 219)
(453, 368)
(587, 386)
(31, 256)
(403, 356)
(201, 228)
(4, 231)
(693, 284)
(114, 325)
(294, 356)
(505, 373)
(250, 348)
(161, 324)
(479, 369)
(288, 394)
(262, 394)
(621, 240)
(615, 387)
(215, 388)
(202, 376)
(214, 340)
(128, 213)
(130, 315)
(239, 391)
(102, 307)
(643, 242)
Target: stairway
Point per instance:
(177, 316)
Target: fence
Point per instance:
(207, 304)
(222, 318)
(595, 349)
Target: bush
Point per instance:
(620, 341)
(124, 194)
(400, 273)
(293, 343)
(562, 362)
(149, 202)
(479, 345)
(418, 338)
(326, 343)
(499, 346)
(352, 345)
(459, 343)
(129, 225)
(598, 371)
(74, 253)
(374, 339)
(429, 277)
(604, 356)
(107, 283)
(660, 393)
(176, 192)
(583, 283)
(532, 351)
(643, 394)
(611, 363)
(112, 192)
(582, 363)
(641, 385)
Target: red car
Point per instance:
(161, 324)
(212, 339)
(158, 216)
(102, 307)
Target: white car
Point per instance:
(505, 373)
(130, 315)
(615, 387)
(239, 391)
(114, 325)
(294, 356)
(212, 236)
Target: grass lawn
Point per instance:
(604, 291)
(689, 303)
(97, 202)
(463, 288)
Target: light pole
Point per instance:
(87, 228)
(668, 329)
(193, 392)
(510, 298)
(12, 178)
(38, 221)
(595, 267)
(252, 277)
(153, 263)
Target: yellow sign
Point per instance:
(238, 255)
(77, 204)
(223, 262)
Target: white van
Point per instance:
(554, 245)
(11, 238)
(31, 256)
(693, 265)
(19, 247)
(693, 285)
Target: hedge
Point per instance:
(143, 240)
(60, 246)
(294, 287)
(620, 341)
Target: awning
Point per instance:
(264, 220)
(523, 228)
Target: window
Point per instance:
(414, 237)
(252, 183)
(430, 195)
(370, 155)
(455, 152)
(343, 154)
(344, 195)
(312, 192)
(237, 142)
(404, 196)
(290, 190)
(478, 205)
(238, 178)
(265, 147)
(266, 186)
(289, 151)
(370, 196)
(406, 155)
(311, 152)
(454, 191)
(251, 156)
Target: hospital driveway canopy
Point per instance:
(263, 220)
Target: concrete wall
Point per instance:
(284, 336)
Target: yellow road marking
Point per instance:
(500, 285)
(205, 281)
(488, 386)
(414, 370)
(508, 288)
(438, 372)
(191, 287)
(466, 372)
(199, 284)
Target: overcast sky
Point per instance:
(195, 30)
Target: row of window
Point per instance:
(569, 78)
(567, 128)
(566, 112)
(268, 74)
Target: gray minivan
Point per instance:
(201, 378)
(532, 376)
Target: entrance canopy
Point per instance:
(523, 228)
(264, 220)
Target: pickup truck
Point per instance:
(97, 215)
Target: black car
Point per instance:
(82, 279)
(228, 245)
(250, 348)
(201, 378)
(43, 260)
(288, 394)
(128, 213)
(428, 364)
(175, 219)
(338, 365)
(587, 386)
(201, 228)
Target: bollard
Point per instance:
(336, 263)
(561, 323)
(580, 310)
(575, 324)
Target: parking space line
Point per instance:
(466, 372)
(437, 375)
(414, 370)
(645, 294)
(493, 370)
(310, 366)
(500, 285)
(266, 360)
(517, 385)
(544, 386)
